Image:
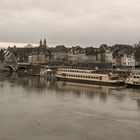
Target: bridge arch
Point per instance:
(10, 67)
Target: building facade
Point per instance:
(128, 60)
(40, 54)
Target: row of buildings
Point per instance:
(116, 56)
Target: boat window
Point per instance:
(64, 74)
(100, 78)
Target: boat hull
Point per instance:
(129, 85)
(117, 83)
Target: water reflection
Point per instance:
(29, 83)
(138, 102)
(40, 84)
(88, 90)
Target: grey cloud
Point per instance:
(70, 22)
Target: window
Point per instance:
(100, 78)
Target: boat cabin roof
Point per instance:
(135, 72)
(76, 70)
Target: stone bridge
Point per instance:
(15, 66)
(9, 66)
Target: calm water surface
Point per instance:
(32, 108)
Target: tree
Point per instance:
(1, 54)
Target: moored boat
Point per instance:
(88, 77)
(47, 73)
(133, 79)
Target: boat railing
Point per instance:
(113, 76)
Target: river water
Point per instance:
(32, 108)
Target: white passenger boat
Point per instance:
(88, 76)
(47, 73)
(133, 79)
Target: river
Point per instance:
(32, 108)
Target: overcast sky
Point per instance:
(70, 22)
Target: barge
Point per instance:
(88, 77)
(133, 80)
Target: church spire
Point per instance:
(45, 43)
(40, 44)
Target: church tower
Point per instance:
(40, 44)
(45, 43)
